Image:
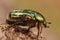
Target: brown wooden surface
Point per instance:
(10, 34)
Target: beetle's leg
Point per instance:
(40, 27)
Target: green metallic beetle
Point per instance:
(17, 14)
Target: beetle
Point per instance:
(27, 17)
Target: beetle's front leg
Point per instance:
(40, 28)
